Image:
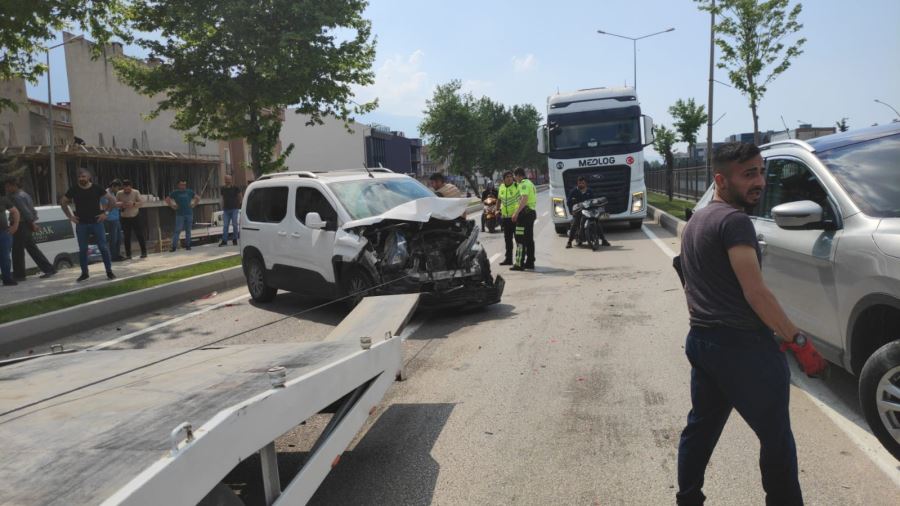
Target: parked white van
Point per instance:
(55, 237)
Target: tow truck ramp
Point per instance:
(165, 426)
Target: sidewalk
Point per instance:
(34, 288)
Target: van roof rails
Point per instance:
(299, 173)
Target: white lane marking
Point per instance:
(656, 240)
(843, 418)
(849, 422)
(166, 323)
(411, 329)
(545, 214)
(495, 257)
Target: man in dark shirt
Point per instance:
(231, 206)
(23, 239)
(735, 360)
(579, 194)
(88, 219)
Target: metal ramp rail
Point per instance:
(149, 427)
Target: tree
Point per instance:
(689, 117)
(26, 26)
(663, 143)
(229, 67)
(751, 35)
(842, 125)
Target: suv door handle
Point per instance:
(762, 243)
(282, 233)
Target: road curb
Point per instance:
(667, 221)
(42, 329)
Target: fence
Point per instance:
(687, 182)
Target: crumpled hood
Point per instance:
(420, 210)
(887, 237)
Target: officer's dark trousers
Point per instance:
(509, 230)
(745, 371)
(525, 234)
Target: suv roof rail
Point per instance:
(381, 169)
(299, 173)
(796, 142)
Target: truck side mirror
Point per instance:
(542, 139)
(649, 137)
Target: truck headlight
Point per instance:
(637, 202)
(559, 209)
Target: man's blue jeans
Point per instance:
(115, 238)
(743, 370)
(183, 222)
(83, 231)
(6, 240)
(230, 216)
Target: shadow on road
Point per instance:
(441, 325)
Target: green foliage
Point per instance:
(27, 25)
(475, 135)
(751, 36)
(689, 117)
(663, 142)
(842, 125)
(229, 67)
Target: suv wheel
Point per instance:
(255, 272)
(879, 394)
(356, 283)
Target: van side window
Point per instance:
(267, 205)
(789, 180)
(311, 200)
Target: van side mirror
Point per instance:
(799, 215)
(649, 136)
(314, 221)
(542, 139)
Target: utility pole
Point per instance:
(709, 103)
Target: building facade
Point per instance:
(329, 146)
(393, 150)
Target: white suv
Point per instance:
(353, 233)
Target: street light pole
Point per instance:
(634, 46)
(709, 102)
(888, 105)
(50, 118)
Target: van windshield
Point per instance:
(870, 173)
(363, 198)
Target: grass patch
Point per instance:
(675, 207)
(67, 300)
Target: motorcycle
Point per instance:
(591, 212)
(490, 216)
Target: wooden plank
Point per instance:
(375, 316)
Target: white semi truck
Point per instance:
(596, 133)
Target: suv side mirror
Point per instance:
(542, 139)
(649, 136)
(800, 215)
(314, 221)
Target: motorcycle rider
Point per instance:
(489, 191)
(509, 202)
(579, 194)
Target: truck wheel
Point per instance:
(357, 283)
(561, 229)
(255, 272)
(879, 394)
(635, 224)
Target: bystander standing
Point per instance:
(88, 219)
(231, 206)
(183, 200)
(130, 200)
(7, 229)
(112, 224)
(23, 239)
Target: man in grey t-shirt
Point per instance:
(735, 361)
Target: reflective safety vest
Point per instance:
(526, 187)
(509, 200)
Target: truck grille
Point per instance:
(610, 182)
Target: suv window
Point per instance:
(311, 200)
(267, 205)
(789, 180)
(870, 173)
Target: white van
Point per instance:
(55, 238)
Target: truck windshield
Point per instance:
(363, 198)
(869, 173)
(594, 134)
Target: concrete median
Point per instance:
(43, 329)
(667, 221)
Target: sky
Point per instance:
(521, 51)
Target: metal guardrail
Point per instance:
(687, 182)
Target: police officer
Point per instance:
(735, 360)
(524, 218)
(509, 202)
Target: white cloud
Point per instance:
(401, 86)
(524, 64)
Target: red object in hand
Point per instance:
(807, 357)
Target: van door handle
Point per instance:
(282, 233)
(295, 235)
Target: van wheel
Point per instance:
(62, 263)
(255, 272)
(879, 394)
(636, 224)
(357, 283)
(561, 229)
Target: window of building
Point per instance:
(101, 143)
(267, 205)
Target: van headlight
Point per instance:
(559, 208)
(637, 202)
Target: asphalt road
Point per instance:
(573, 390)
